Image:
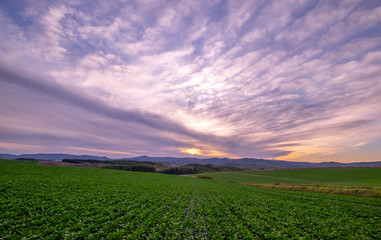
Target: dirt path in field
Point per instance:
(294, 179)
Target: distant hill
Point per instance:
(52, 157)
(249, 163)
(252, 163)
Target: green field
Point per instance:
(35, 162)
(48, 202)
(323, 176)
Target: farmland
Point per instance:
(75, 203)
(364, 182)
(323, 176)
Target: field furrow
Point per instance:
(39, 202)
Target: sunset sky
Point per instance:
(288, 80)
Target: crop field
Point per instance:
(50, 202)
(323, 176)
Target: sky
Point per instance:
(289, 80)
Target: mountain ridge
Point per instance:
(51, 156)
(250, 163)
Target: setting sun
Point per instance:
(193, 151)
(205, 153)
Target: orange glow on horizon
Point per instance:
(206, 153)
(193, 151)
(291, 156)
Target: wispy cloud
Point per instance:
(255, 79)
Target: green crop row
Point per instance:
(46, 202)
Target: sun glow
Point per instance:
(206, 153)
(193, 151)
(299, 153)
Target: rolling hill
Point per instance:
(249, 163)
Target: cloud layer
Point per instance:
(270, 79)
